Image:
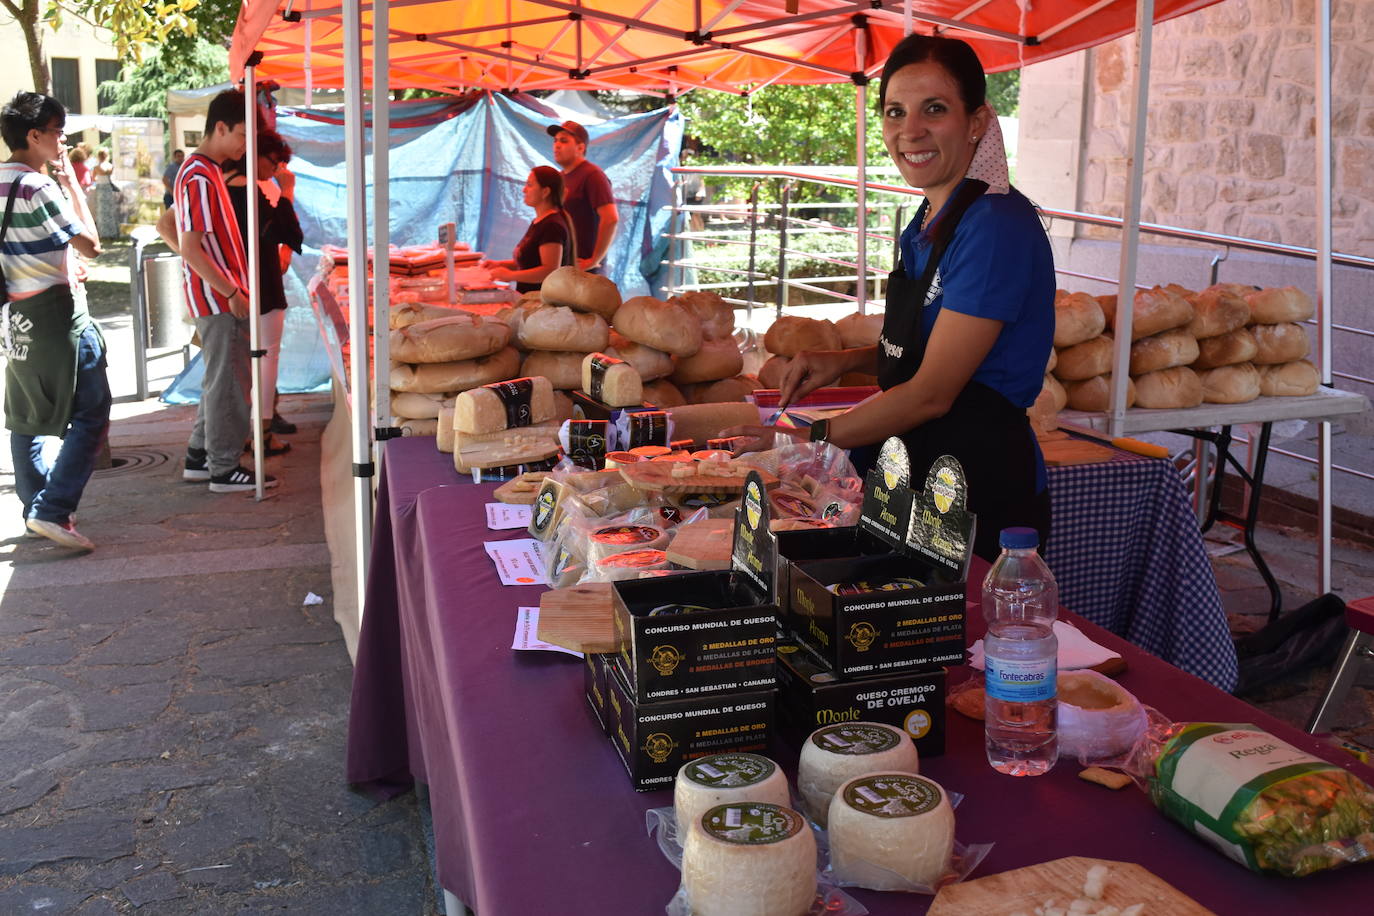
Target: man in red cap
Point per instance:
(587, 195)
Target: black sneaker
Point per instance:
(280, 426)
(196, 467)
(238, 480)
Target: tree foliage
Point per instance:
(141, 90)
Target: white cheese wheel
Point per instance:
(723, 778)
(835, 754)
(751, 859)
(891, 832)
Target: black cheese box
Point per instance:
(706, 632)
(595, 666)
(810, 695)
(654, 740)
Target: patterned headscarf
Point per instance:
(989, 162)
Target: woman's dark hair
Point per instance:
(958, 59)
(546, 176)
(29, 111)
(273, 146)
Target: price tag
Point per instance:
(519, 561)
(526, 628)
(502, 516)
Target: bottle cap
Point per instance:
(1020, 538)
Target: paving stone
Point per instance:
(243, 668)
(196, 703)
(147, 742)
(26, 751)
(107, 875)
(58, 652)
(129, 675)
(144, 643)
(98, 838)
(19, 624)
(212, 820)
(38, 898)
(23, 791)
(98, 906)
(159, 885)
(123, 707)
(375, 851)
(96, 787)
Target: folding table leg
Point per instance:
(1356, 650)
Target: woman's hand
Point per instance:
(760, 438)
(499, 271)
(809, 370)
(286, 180)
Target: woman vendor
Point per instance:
(970, 307)
(546, 244)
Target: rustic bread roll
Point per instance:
(416, 405)
(859, 330)
(1238, 289)
(563, 368)
(577, 289)
(1084, 360)
(1289, 380)
(730, 389)
(1058, 396)
(1095, 394)
(1233, 347)
(1156, 310)
(404, 314)
(1230, 384)
(1163, 351)
(1043, 415)
(443, 436)
(717, 359)
(648, 362)
(700, 422)
(459, 376)
(1279, 343)
(1168, 388)
(791, 334)
(448, 339)
(663, 393)
(1280, 304)
(667, 326)
(504, 404)
(716, 315)
(553, 327)
(611, 381)
(1217, 311)
(1077, 317)
(772, 371)
(1052, 361)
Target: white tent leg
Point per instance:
(861, 157)
(381, 206)
(250, 160)
(1324, 301)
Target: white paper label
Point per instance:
(526, 628)
(519, 561)
(501, 517)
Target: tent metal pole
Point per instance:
(381, 220)
(861, 157)
(356, 180)
(250, 160)
(1130, 225)
(1325, 303)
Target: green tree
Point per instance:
(141, 90)
(1004, 92)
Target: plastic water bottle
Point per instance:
(1020, 603)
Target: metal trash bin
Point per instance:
(165, 301)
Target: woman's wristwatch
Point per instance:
(820, 431)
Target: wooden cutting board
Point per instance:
(1024, 889)
(658, 475)
(703, 545)
(578, 617)
(513, 492)
(1060, 452)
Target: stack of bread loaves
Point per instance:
(1162, 350)
(1082, 358)
(788, 336)
(570, 322)
(1225, 348)
(434, 359)
(1280, 342)
(713, 373)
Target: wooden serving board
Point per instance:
(1060, 452)
(1024, 889)
(579, 617)
(658, 475)
(703, 545)
(509, 493)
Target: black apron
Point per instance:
(991, 437)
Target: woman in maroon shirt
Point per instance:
(547, 244)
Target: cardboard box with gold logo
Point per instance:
(595, 667)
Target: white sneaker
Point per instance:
(66, 535)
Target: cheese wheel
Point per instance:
(1216, 311)
(700, 422)
(773, 371)
(648, 362)
(562, 369)
(729, 389)
(444, 340)
(1279, 343)
(1077, 317)
(1157, 309)
(415, 405)
(405, 314)
(502, 405)
(891, 832)
(1230, 384)
(835, 754)
(1236, 346)
(551, 327)
(1296, 379)
(753, 859)
(717, 316)
(667, 326)
(444, 434)
(860, 330)
(1163, 351)
(1168, 388)
(1084, 360)
(1094, 394)
(663, 393)
(791, 334)
(611, 381)
(458, 376)
(630, 564)
(717, 359)
(1277, 305)
(577, 289)
(610, 540)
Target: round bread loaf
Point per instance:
(1279, 343)
(580, 290)
(1168, 388)
(1279, 304)
(1095, 394)
(1163, 351)
(663, 393)
(791, 334)
(404, 314)
(1084, 360)
(860, 330)
(459, 376)
(1230, 384)
(648, 362)
(553, 327)
(563, 368)
(1058, 396)
(448, 339)
(667, 326)
(772, 371)
(1043, 414)
(716, 315)
(416, 405)
(1227, 349)
(730, 389)
(717, 359)
(1077, 317)
(1289, 380)
(1216, 311)
(1053, 360)
(1156, 309)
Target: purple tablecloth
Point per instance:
(533, 812)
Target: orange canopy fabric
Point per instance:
(660, 45)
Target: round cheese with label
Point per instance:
(630, 563)
(891, 832)
(835, 754)
(719, 779)
(749, 859)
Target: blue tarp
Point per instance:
(465, 161)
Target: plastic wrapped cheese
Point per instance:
(749, 859)
(1097, 718)
(835, 754)
(722, 778)
(891, 832)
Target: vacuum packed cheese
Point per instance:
(577, 289)
(752, 859)
(835, 754)
(502, 405)
(458, 376)
(630, 564)
(700, 422)
(610, 540)
(717, 359)
(552, 327)
(562, 369)
(791, 334)
(722, 778)
(648, 362)
(611, 381)
(444, 340)
(667, 326)
(891, 832)
(1296, 379)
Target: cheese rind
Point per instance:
(611, 381)
(502, 405)
(720, 779)
(751, 859)
(835, 754)
(891, 832)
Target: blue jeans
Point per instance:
(51, 492)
